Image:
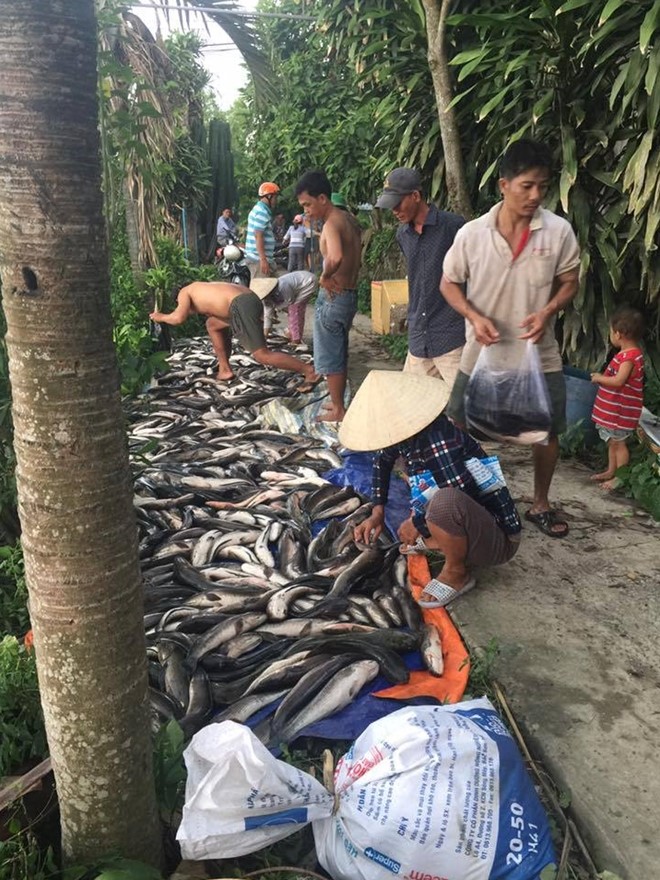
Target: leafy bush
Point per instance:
(22, 856)
(641, 479)
(13, 592)
(9, 524)
(396, 345)
(364, 297)
(22, 734)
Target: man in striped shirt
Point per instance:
(260, 240)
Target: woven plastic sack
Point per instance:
(426, 792)
(511, 405)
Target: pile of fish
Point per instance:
(256, 594)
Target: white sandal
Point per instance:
(444, 594)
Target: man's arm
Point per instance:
(485, 331)
(180, 313)
(260, 243)
(536, 322)
(370, 529)
(332, 257)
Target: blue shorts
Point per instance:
(332, 322)
(608, 434)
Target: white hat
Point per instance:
(390, 407)
(263, 286)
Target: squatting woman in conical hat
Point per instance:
(459, 501)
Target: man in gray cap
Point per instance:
(435, 336)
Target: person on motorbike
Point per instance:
(260, 241)
(226, 230)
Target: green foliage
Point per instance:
(22, 734)
(9, 525)
(396, 345)
(138, 362)
(169, 769)
(317, 117)
(641, 479)
(482, 663)
(21, 855)
(13, 592)
(382, 257)
(113, 869)
(582, 77)
(364, 296)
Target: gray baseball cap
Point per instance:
(399, 183)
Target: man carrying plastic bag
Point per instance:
(435, 792)
(519, 264)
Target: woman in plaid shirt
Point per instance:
(459, 501)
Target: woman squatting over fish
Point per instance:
(230, 308)
(460, 504)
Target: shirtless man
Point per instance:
(337, 300)
(231, 308)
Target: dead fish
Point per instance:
(222, 632)
(341, 690)
(431, 649)
(247, 706)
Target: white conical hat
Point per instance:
(390, 407)
(263, 286)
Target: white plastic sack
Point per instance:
(426, 793)
(509, 401)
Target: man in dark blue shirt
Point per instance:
(435, 333)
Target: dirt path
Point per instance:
(577, 623)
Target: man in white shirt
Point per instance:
(509, 273)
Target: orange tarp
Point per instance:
(450, 686)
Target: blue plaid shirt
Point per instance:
(443, 448)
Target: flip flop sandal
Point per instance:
(545, 520)
(444, 594)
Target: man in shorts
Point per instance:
(231, 308)
(509, 273)
(336, 304)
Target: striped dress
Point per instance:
(260, 219)
(620, 408)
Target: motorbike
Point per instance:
(231, 266)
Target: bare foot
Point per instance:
(610, 485)
(225, 376)
(331, 413)
(605, 475)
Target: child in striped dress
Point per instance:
(620, 397)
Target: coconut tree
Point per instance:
(74, 486)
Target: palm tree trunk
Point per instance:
(74, 485)
(457, 189)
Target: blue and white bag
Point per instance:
(426, 793)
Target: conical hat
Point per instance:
(390, 407)
(263, 286)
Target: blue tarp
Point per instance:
(356, 472)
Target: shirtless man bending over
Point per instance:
(231, 308)
(336, 304)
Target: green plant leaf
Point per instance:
(649, 26)
(610, 7)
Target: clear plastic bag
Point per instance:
(509, 404)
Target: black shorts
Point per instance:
(246, 318)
